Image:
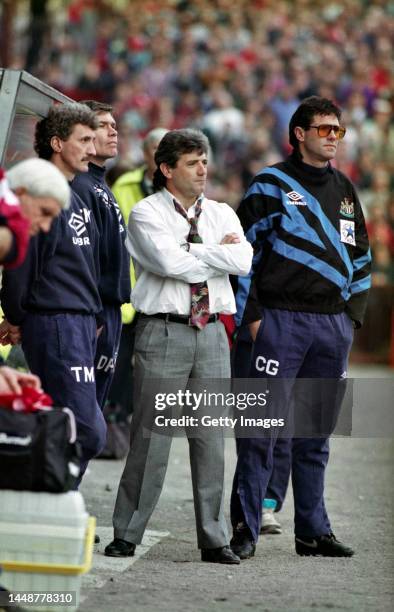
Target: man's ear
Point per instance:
(166, 170)
(299, 133)
(19, 191)
(56, 144)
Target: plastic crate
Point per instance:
(46, 543)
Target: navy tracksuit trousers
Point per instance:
(107, 351)
(241, 357)
(60, 349)
(296, 345)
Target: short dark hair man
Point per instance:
(307, 290)
(53, 296)
(129, 188)
(183, 246)
(114, 284)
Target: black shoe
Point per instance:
(242, 543)
(220, 555)
(120, 548)
(96, 539)
(323, 546)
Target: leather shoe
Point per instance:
(242, 543)
(120, 548)
(324, 546)
(219, 555)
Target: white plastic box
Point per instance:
(46, 543)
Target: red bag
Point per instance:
(30, 400)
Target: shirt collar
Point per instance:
(169, 197)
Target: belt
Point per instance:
(175, 318)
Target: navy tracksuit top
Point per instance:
(114, 284)
(60, 272)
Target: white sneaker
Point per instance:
(269, 524)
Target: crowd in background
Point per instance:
(237, 70)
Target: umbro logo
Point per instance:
(295, 199)
(78, 224)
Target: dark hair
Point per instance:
(174, 144)
(303, 116)
(60, 122)
(97, 107)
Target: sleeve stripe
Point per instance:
(362, 261)
(361, 285)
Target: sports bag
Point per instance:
(38, 448)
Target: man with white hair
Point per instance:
(42, 192)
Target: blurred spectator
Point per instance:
(236, 70)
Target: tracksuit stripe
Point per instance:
(361, 285)
(362, 261)
(308, 260)
(314, 206)
(293, 222)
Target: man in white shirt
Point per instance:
(184, 246)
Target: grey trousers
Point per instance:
(165, 351)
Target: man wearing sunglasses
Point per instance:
(306, 292)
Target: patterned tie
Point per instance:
(199, 309)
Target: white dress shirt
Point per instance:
(164, 269)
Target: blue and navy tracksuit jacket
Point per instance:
(311, 250)
(114, 282)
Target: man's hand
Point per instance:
(12, 381)
(9, 334)
(254, 328)
(232, 238)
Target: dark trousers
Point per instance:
(107, 351)
(279, 480)
(60, 349)
(121, 389)
(290, 346)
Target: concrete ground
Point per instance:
(168, 575)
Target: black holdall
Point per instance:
(38, 449)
